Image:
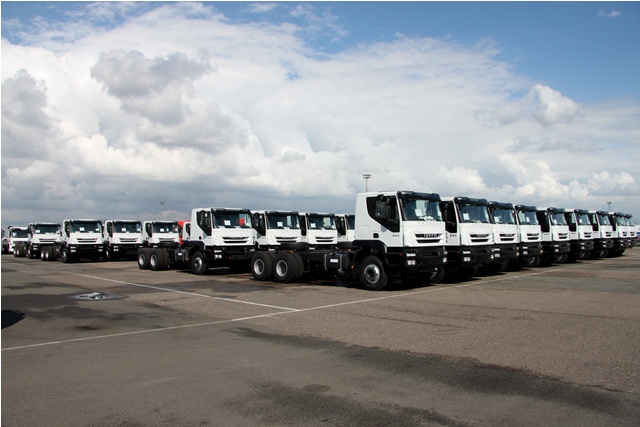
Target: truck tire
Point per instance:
(198, 264)
(166, 259)
(53, 253)
(285, 268)
(31, 254)
(156, 259)
(262, 266)
(143, 259)
(561, 259)
(531, 262)
(436, 275)
(371, 274)
(65, 256)
(300, 262)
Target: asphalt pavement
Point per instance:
(106, 344)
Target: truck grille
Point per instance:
(128, 240)
(507, 237)
(533, 236)
(563, 236)
(425, 238)
(479, 238)
(235, 240)
(87, 240)
(286, 239)
(325, 239)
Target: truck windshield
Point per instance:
(127, 227)
(527, 218)
(420, 210)
(473, 213)
(321, 222)
(164, 227)
(557, 219)
(604, 219)
(232, 220)
(18, 233)
(282, 221)
(46, 229)
(583, 219)
(86, 227)
(503, 216)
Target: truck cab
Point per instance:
(602, 233)
(44, 238)
(122, 238)
(505, 235)
(218, 237)
(469, 235)
(17, 240)
(621, 233)
(399, 233)
(318, 229)
(530, 235)
(82, 238)
(277, 229)
(555, 234)
(580, 234)
(160, 234)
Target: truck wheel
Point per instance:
(531, 262)
(261, 266)
(300, 262)
(156, 260)
(30, 253)
(560, 259)
(65, 256)
(436, 275)
(371, 274)
(198, 264)
(53, 254)
(285, 268)
(166, 259)
(143, 258)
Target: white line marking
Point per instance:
(178, 292)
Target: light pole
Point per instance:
(367, 177)
(609, 203)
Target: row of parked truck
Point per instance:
(415, 237)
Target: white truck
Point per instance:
(81, 239)
(122, 238)
(505, 236)
(602, 234)
(555, 235)
(16, 241)
(319, 229)
(217, 237)
(580, 234)
(622, 233)
(469, 240)
(44, 240)
(397, 234)
(530, 236)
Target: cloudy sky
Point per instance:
(149, 109)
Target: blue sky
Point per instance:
(285, 105)
(588, 50)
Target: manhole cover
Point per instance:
(96, 296)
